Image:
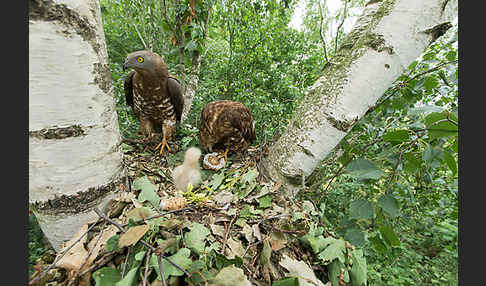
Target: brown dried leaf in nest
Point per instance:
(224, 197)
(213, 161)
(248, 232)
(173, 204)
(133, 235)
(235, 248)
(76, 256)
(139, 213)
(256, 232)
(217, 230)
(170, 224)
(277, 240)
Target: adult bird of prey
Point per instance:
(154, 95)
(228, 125)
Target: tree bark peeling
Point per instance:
(385, 40)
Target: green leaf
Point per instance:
(378, 244)
(191, 46)
(358, 271)
(424, 110)
(139, 256)
(249, 176)
(410, 163)
(438, 126)
(316, 243)
(231, 276)
(106, 276)
(195, 238)
(396, 136)
(430, 83)
(364, 169)
(265, 201)
(148, 192)
(335, 250)
(451, 162)
(433, 156)
(288, 281)
(361, 209)
(130, 277)
(390, 236)
(334, 272)
(355, 236)
(181, 258)
(389, 205)
(216, 181)
(112, 243)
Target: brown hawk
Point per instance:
(155, 97)
(226, 125)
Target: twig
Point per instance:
(125, 264)
(87, 257)
(340, 25)
(146, 267)
(158, 215)
(227, 233)
(159, 259)
(41, 274)
(320, 29)
(107, 257)
(139, 35)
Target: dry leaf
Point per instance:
(277, 240)
(133, 235)
(75, 257)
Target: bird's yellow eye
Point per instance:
(140, 59)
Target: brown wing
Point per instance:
(129, 89)
(175, 95)
(227, 122)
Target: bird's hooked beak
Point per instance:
(125, 65)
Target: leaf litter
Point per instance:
(230, 230)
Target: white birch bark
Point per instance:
(191, 85)
(386, 39)
(74, 155)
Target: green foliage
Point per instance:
(397, 199)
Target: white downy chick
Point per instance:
(188, 172)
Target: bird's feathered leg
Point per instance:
(168, 129)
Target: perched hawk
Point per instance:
(155, 97)
(226, 125)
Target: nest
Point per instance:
(229, 226)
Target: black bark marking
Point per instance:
(79, 202)
(439, 30)
(48, 10)
(58, 132)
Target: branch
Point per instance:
(139, 35)
(320, 30)
(340, 25)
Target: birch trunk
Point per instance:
(74, 155)
(191, 85)
(386, 39)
